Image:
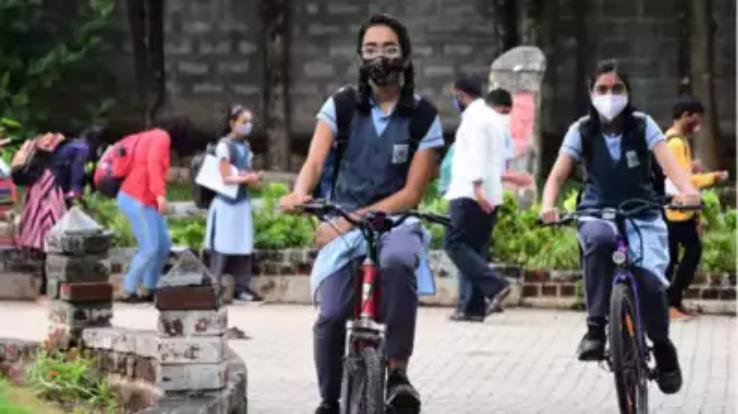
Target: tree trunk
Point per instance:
(685, 86)
(274, 14)
(702, 30)
(505, 25)
(145, 19)
(528, 13)
(583, 57)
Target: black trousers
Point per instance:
(681, 269)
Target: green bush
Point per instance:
(275, 230)
(71, 379)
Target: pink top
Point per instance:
(148, 176)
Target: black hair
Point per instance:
(178, 126)
(407, 92)
(469, 84)
(233, 113)
(93, 137)
(612, 66)
(498, 97)
(687, 104)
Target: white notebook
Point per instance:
(209, 177)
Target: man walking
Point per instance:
(474, 190)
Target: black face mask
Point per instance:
(383, 71)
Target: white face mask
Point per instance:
(609, 105)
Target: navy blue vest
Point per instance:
(374, 167)
(608, 182)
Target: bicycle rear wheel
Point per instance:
(628, 366)
(363, 386)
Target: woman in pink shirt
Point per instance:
(142, 199)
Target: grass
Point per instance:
(14, 400)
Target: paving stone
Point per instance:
(188, 350)
(86, 291)
(186, 298)
(90, 268)
(179, 377)
(80, 314)
(193, 323)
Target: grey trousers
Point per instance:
(236, 265)
(399, 253)
(598, 242)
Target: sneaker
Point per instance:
(668, 372)
(592, 345)
(243, 297)
(495, 300)
(328, 407)
(401, 395)
(460, 316)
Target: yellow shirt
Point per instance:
(680, 147)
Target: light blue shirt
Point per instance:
(432, 139)
(337, 254)
(572, 144)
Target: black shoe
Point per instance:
(495, 300)
(255, 297)
(328, 407)
(668, 372)
(133, 299)
(460, 316)
(592, 345)
(401, 395)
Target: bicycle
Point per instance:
(628, 354)
(365, 371)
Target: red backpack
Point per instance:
(114, 165)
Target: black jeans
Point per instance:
(466, 242)
(684, 234)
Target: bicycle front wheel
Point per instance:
(363, 387)
(628, 366)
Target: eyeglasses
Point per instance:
(616, 89)
(371, 51)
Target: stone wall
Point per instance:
(213, 55)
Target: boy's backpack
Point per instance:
(345, 103)
(203, 196)
(114, 166)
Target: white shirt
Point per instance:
(479, 154)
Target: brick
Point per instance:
(171, 377)
(343, 8)
(86, 291)
(193, 323)
(727, 294)
(189, 350)
(186, 298)
(240, 67)
(192, 68)
(709, 293)
(536, 276)
(549, 290)
(567, 289)
(19, 286)
(79, 244)
(532, 289)
(177, 47)
(207, 87)
(80, 314)
(317, 29)
(222, 47)
(77, 269)
(242, 89)
(435, 71)
(318, 69)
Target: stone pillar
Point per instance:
(77, 278)
(520, 71)
(192, 325)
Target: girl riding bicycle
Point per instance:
(614, 143)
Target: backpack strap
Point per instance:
(345, 103)
(423, 116)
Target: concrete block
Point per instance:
(90, 268)
(181, 377)
(79, 244)
(80, 314)
(16, 285)
(85, 291)
(193, 323)
(189, 350)
(187, 298)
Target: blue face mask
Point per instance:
(245, 128)
(457, 105)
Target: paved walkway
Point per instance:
(519, 362)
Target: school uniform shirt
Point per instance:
(479, 154)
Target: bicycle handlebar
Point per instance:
(609, 213)
(376, 220)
